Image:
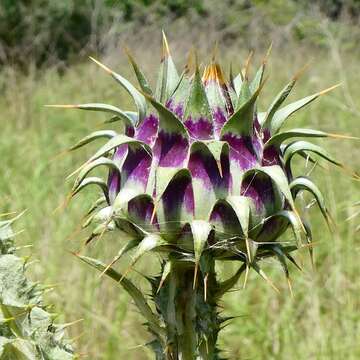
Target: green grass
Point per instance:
(320, 322)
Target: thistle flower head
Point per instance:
(198, 171)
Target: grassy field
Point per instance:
(322, 321)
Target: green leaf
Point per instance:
(100, 230)
(301, 146)
(169, 122)
(144, 84)
(197, 105)
(125, 249)
(279, 138)
(130, 115)
(147, 244)
(294, 221)
(303, 183)
(228, 284)
(282, 114)
(258, 78)
(138, 98)
(201, 231)
(116, 142)
(168, 76)
(92, 181)
(281, 257)
(102, 216)
(165, 273)
(241, 122)
(277, 175)
(93, 136)
(242, 208)
(131, 289)
(279, 99)
(238, 84)
(102, 161)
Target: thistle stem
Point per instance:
(191, 321)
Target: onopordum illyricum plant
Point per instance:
(27, 328)
(198, 175)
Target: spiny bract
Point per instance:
(203, 176)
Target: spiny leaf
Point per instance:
(130, 288)
(294, 221)
(165, 273)
(301, 146)
(258, 78)
(126, 248)
(200, 231)
(102, 108)
(102, 161)
(93, 136)
(238, 84)
(129, 114)
(168, 75)
(150, 242)
(116, 142)
(277, 175)
(134, 93)
(169, 122)
(280, 98)
(303, 183)
(279, 138)
(229, 283)
(92, 181)
(282, 114)
(242, 207)
(197, 105)
(144, 84)
(257, 268)
(241, 122)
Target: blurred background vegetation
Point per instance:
(44, 47)
(46, 32)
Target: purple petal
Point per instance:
(257, 144)
(177, 197)
(113, 185)
(266, 135)
(241, 150)
(257, 125)
(147, 130)
(170, 150)
(129, 131)
(203, 166)
(259, 188)
(140, 210)
(114, 178)
(219, 120)
(270, 156)
(223, 216)
(176, 108)
(199, 129)
(136, 167)
(272, 229)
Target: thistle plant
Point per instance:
(197, 175)
(27, 328)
